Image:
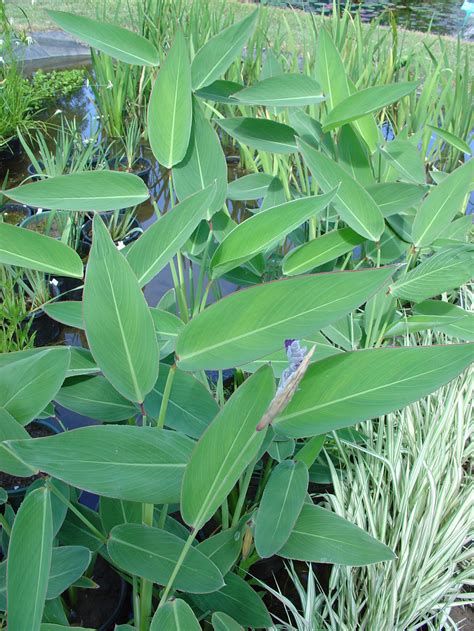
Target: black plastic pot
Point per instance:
(11, 150)
(142, 170)
(106, 217)
(57, 225)
(15, 214)
(46, 329)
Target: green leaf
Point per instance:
(225, 449)
(442, 204)
(175, 615)
(331, 74)
(223, 549)
(167, 327)
(250, 324)
(113, 40)
(49, 626)
(68, 312)
(82, 362)
(204, 163)
(395, 197)
(75, 532)
(320, 536)
(280, 450)
(217, 54)
(443, 312)
(356, 207)
(67, 565)
(29, 560)
(344, 389)
(170, 107)
(219, 91)
(447, 269)
(155, 248)
(280, 506)
(261, 134)
(93, 396)
(12, 430)
(91, 190)
(405, 158)
(264, 230)
(191, 407)
(238, 600)
(223, 622)
(28, 385)
(353, 156)
(452, 139)
(367, 101)
(116, 512)
(284, 90)
(153, 553)
(119, 326)
(252, 186)
(110, 460)
(32, 250)
(320, 251)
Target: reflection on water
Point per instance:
(439, 16)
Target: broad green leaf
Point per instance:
(345, 332)
(93, 396)
(344, 389)
(152, 553)
(140, 464)
(264, 230)
(284, 90)
(390, 248)
(222, 226)
(12, 430)
(320, 251)
(51, 626)
(442, 204)
(29, 560)
(451, 139)
(356, 207)
(219, 91)
(275, 195)
(311, 450)
(396, 197)
(35, 251)
(280, 450)
(68, 312)
(260, 133)
(416, 323)
(204, 163)
(217, 54)
(115, 512)
(222, 622)
(365, 102)
(447, 269)
(82, 363)
(170, 109)
(405, 158)
(311, 131)
(238, 600)
(155, 248)
(443, 312)
(175, 615)
(225, 449)
(90, 190)
(75, 532)
(331, 74)
(191, 407)
(252, 186)
(320, 536)
(115, 41)
(250, 324)
(353, 156)
(280, 506)
(68, 563)
(119, 326)
(28, 385)
(223, 549)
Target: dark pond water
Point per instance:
(440, 16)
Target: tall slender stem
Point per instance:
(146, 587)
(177, 567)
(166, 397)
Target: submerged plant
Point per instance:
(195, 491)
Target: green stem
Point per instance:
(225, 514)
(177, 567)
(244, 487)
(146, 587)
(166, 397)
(5, 525)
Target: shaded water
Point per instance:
(443, 17)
